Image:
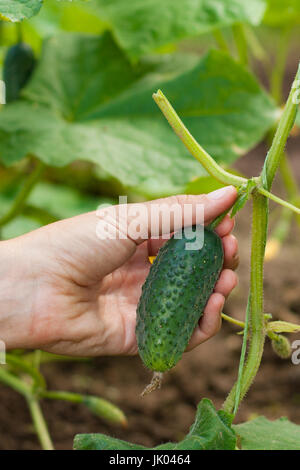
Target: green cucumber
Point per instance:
(18, 66)
(174, 296)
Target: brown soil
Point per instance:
(208, 371)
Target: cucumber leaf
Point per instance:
(140, 27)
(62, 201)
(87, 102)
(47, 202)
(18, 10)
(211, 430)
(262, 434)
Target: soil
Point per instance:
(209, 371)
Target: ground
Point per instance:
(209, 371)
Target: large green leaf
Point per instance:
(141, 26)
(63, 202)
(18, 10)
(262, 434)
(52, 201)
(282, 13)
(211, 430)
(87, 102)
(19, 226)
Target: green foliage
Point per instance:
(63, 201)
(19, 226)
(87, 102)
(262, 434)
(18, 10)
(282, 13)
(18, 66)
(47, 202)
(211, 430)
(140, 27)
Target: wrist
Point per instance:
(16, 295)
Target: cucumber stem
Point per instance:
(192, 145)
(279, 201)
(257, 321)
(21, 197)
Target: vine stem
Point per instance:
(192, 145)
(25, 366)
(204, 158)
(280, 201)
(241, 43)
(289, 181)
(232, 320)
(257, 324)
(220, 40)
(19, 202)
(282, 132)
(14, 382)
(39, 423)
(25, 389)
(242, 360)
(259, 237)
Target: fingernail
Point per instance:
(219, 193)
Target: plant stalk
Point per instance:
(39, 423)
(192, 145)
(257, 323)
(279, 201)
(221, 41)
(241, 43)
(19, 202)
(282, 132)
(14, 382)
(289, 182)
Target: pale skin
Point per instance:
(65, 291)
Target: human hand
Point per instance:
(66, 291)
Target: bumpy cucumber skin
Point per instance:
(18, 66)
(173, 298)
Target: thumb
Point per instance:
(121, 228)
(141, 221)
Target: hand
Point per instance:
(66, 291)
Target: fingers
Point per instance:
(227, 282)
(225, 227)
(142, 221)
(230, 246)
(210, 322)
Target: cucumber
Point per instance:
(174, 296)
(18, 66)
